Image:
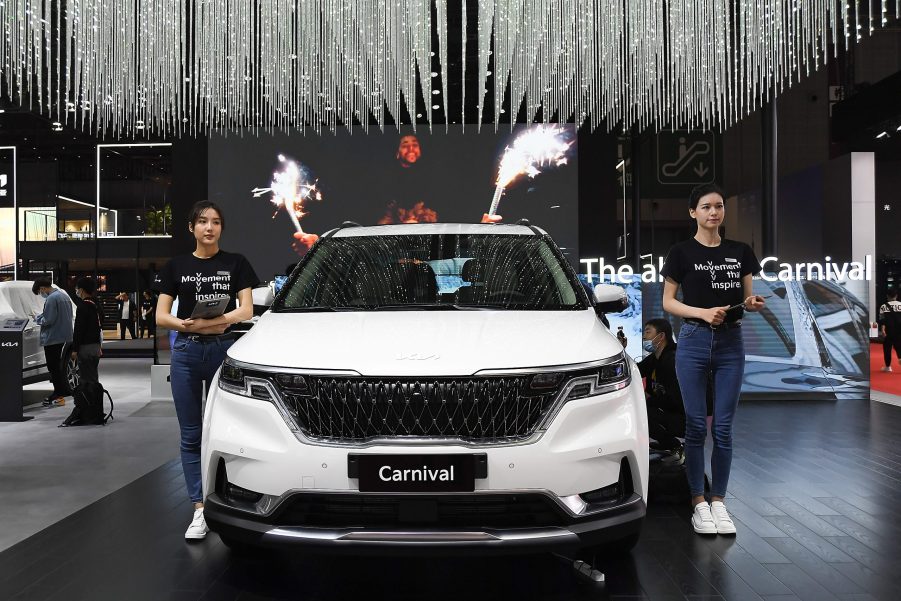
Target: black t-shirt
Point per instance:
(662, 384)
(191, 279)
(890, 317)
(87, 329)
(711, 276)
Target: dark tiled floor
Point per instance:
(814, 485)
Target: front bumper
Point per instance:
(583, 449)
(612, 525)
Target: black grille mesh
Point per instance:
(475, 409)
(450, 511)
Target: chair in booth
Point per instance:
(473, 289)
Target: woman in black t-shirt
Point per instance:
(716, 277)
(201, 344)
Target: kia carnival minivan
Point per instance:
(429, 388)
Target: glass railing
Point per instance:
(145, 222)
(48, 224)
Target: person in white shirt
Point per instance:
(126, 312)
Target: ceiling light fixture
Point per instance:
(273, 66)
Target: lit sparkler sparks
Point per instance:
(540, 146)
(291, 188)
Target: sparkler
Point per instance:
(291, 189)
(540, 146)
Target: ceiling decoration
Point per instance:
(174, 67)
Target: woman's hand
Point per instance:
(714, 316)
(204, 326)
(486, 218)
(754, 303)
(303, 242)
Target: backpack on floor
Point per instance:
(88, 409)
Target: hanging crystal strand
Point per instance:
(5, 41)
(463, 20)
(441, 27)
(486, 9)
(500, 51)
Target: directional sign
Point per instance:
(686, 158)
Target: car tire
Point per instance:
(70, 368)
(613, 549)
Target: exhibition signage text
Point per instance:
(772, 270)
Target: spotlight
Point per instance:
(882, 135)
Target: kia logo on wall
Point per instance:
(9, 344)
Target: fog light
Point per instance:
(236, 493)
(611, 494)
(607, 494)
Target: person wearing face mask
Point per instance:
(88, 333)
(56, 331)
(666, 415)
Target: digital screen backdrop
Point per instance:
(811, 341)
(388, 178)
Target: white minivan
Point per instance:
(429, 387)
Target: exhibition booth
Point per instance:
(457, 222)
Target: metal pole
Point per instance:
(769, 177)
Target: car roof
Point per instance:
(413, 229)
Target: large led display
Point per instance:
(280, 192)
(811, 341)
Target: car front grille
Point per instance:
(479, 410)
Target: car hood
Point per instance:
(407, 343)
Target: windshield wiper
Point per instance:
(316, 309)
(481, 306)
(414, 307)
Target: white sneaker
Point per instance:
(887, 368)
(198, 528)
(702, 519)
(724, 523)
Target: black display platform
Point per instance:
(814, 483)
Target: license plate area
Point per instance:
(417, 473)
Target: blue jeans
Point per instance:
(193, 363)
(720, 355)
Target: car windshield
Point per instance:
(432, 272)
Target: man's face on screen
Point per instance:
(408, 151)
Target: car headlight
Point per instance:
(231, 378)
(241, 380)
(605, 378)
(234, 378)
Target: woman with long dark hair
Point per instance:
(200, 346)
(716, 278)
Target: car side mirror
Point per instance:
(609, 299)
